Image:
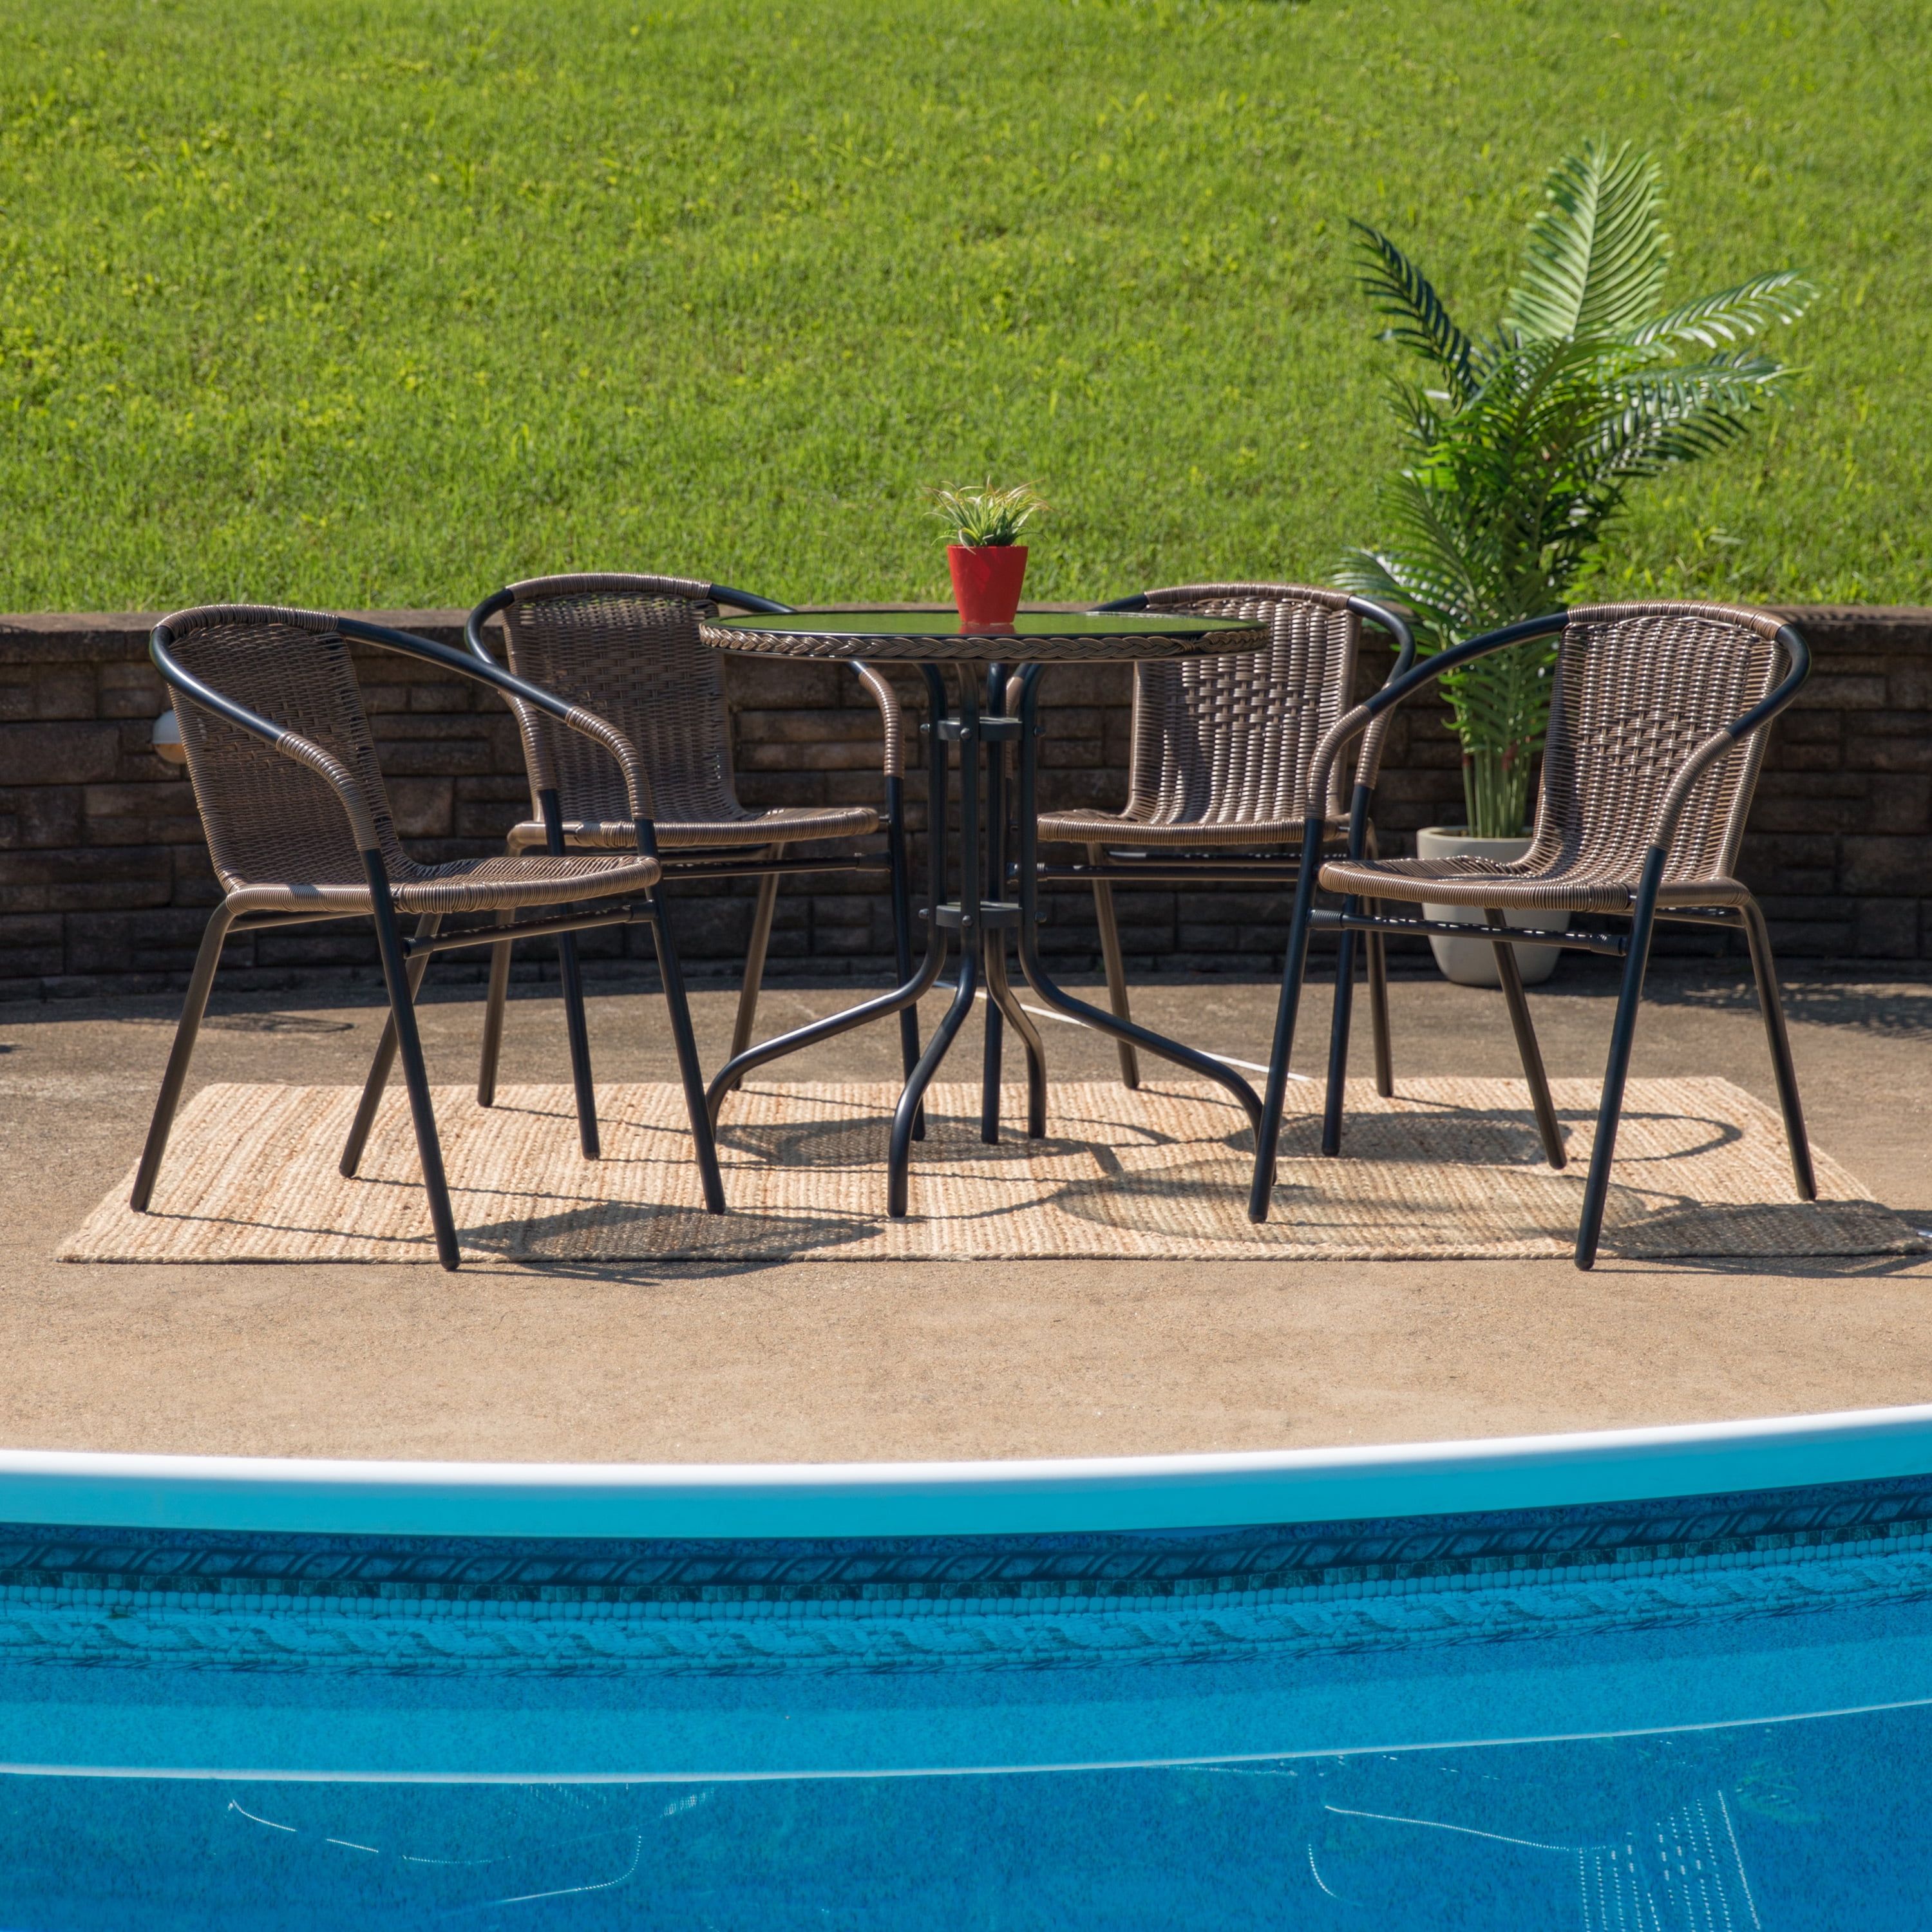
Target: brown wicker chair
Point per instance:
(628, 647)
(1222, 748)
(299, 825)
(1657, 731)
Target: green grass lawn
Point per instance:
(381, 302)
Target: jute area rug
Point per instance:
(1449, 1169)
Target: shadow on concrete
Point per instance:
(1892, 997)
(1901, 1008)
(1786, 1267)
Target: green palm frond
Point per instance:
(1532, 394)
(1399, 290)
(1438, 591)
(1596, 256)
(1517, 473)
(1731, 315)
(1431, 565)
(1418, 412)
(1657, 418)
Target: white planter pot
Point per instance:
(1472, 962)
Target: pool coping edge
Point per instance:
(1023, 1496)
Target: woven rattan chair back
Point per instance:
(627, 647)
(1640, 688)
(1225, 741)
(267, 819)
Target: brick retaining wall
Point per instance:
(105, 883)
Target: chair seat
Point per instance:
(1116, 828)
(781, 825)
(498, 884)
(1480, 883)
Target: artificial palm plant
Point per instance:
(1521, 445)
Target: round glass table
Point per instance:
(989, 706)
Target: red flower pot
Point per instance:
(986, 580)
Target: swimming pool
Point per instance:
(1712, 1712)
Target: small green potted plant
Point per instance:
(983, 550)
(1521, 447)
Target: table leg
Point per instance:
(1000, 997)
(995, 1055)
(899, 1155)
(1003, 1006)
(965, 918)
(901, 997)
(981, 917)
(1203, 1064)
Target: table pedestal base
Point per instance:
(980, 918)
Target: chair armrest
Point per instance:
(1369, 764)
(892, 718)
(355, 802)
(1352, 725)
(743, 600)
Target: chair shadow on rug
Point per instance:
(1448, 1170)
(573, 1236)
(1407, 1211)
(1500, 1137)
(1775, 1238)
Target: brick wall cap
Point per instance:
(1901, 616)
(84, 623)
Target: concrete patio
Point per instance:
(821, 1361)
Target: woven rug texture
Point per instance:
(1448, 1169)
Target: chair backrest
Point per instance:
(1229, 740)
(628, 648)
(268, 819)
(1639, 688)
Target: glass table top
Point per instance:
(1028, 624)
(1036, 636)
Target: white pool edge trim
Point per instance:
(914, 1499)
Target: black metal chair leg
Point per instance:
(689, 1073)
(1531, 1053)
(1378, 1005)
(755, 949)
(398, 977)
(1267, 1136)
(214, 937)
(1610, 1108)
(1337, 1095)
(385, 1059)
(1116, 967)
(494, 1009)
(570, 971)
(1772, 1007)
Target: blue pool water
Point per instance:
(1710, 1713)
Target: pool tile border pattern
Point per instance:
(260, 1602)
